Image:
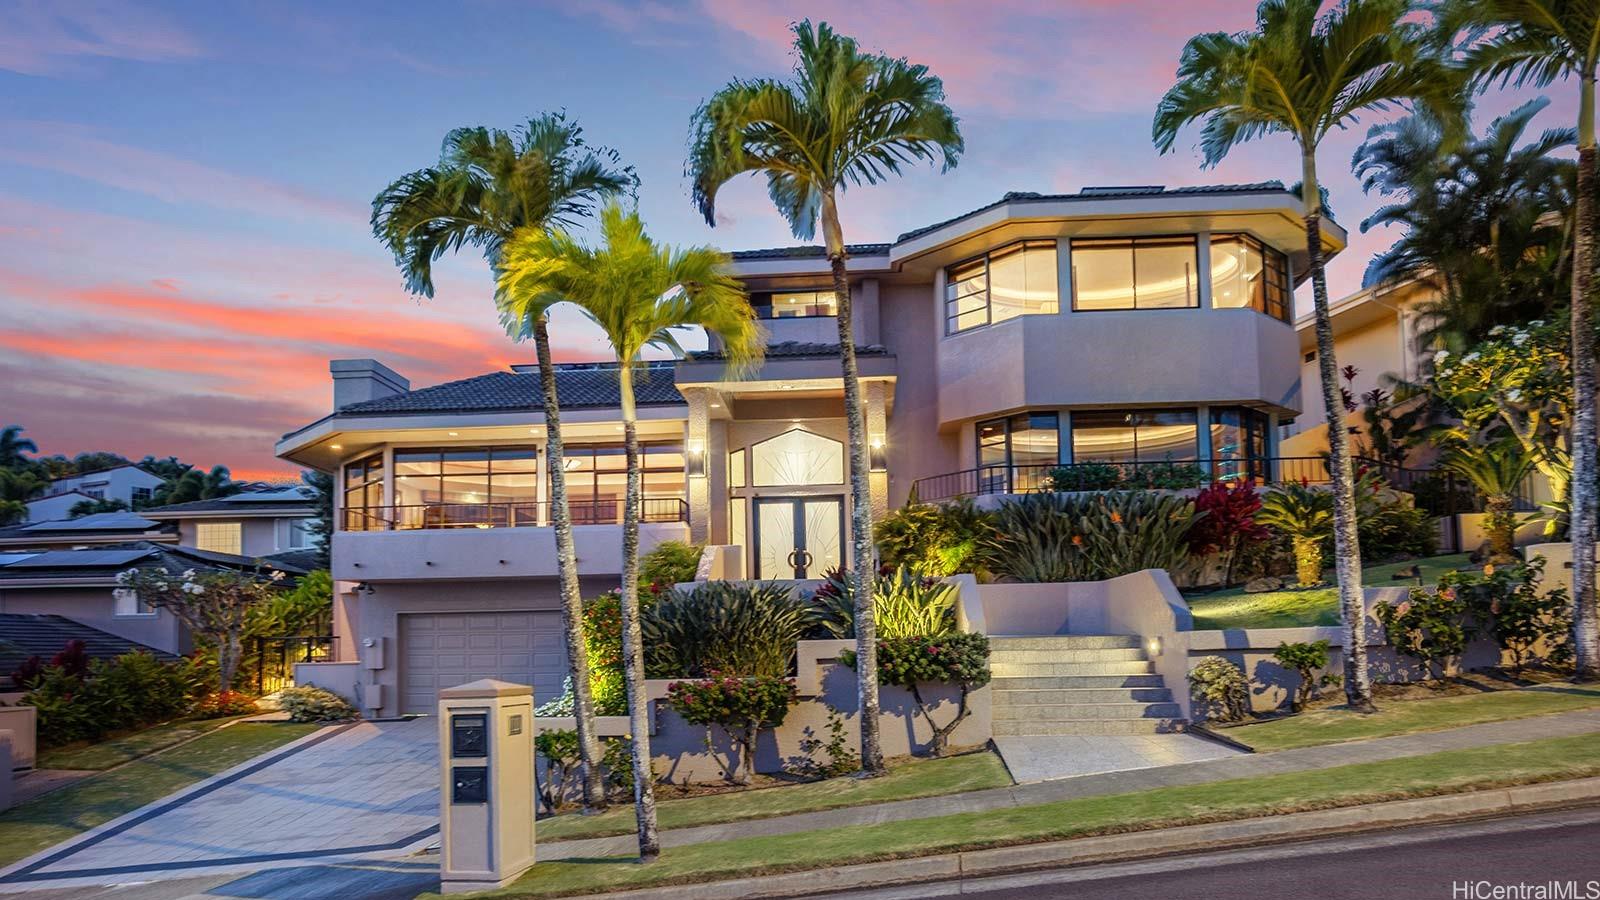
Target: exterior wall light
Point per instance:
(1154, 646)
(695, 460)
(878, 456)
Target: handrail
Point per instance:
(429, 516)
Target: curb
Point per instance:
(1235, 834)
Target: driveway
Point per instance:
(365, 791)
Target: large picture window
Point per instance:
(597, 480)
(467, 476)
(1135, 273)
(363, 494)
(1239, 443)
(794, 304)
(1015, 452)
(1135, 436)
(1016, 280)
(1246, 273)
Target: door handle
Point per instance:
(805, 558)
(794, 559)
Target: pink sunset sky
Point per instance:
(184, 189)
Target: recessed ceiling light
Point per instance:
(454, 433)
(716, 406)
(337, 446)
(621, 428)
(786, 387)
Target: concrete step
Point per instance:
(1007, 655)
(1068, 641)
(1027, 698)
(1074, 682)
(1002, 669)
(1082, 711)
(1007, 727)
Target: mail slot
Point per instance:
(469, 736)
(471, 785)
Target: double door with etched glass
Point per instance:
(798, 537)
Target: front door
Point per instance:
(798, 537)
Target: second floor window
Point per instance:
(1247, 273)
(219, 537)
(597, 474)
(1016, 280)
(1135, 273)
(363, 494)
(458, 477)
(795, 304)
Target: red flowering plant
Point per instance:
(1226, 522)
(954, 658)
(740, 706)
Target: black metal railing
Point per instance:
(1166, 474)
(422, 516)
(275, 658)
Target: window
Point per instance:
(1247, 273)
(219, 537)
(295, 534)
(1143, 435)
(463, 477)
(1018, 280)
(96, 493)
(795, 304)
(363, 494)
(736, 469)
(1239, 443)
(1137, 273)
(1014, 453)
(738, 511)
(597, 480)
(126, 602)
(797, 457)
(141, 495)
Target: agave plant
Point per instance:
(1305, 514)
(735, 629)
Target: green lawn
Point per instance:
(1329, 726)
(1437, 773)
(1300, 608)
(908, 779)
(116, 751)
(58, 815)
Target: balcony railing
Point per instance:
(506, 515)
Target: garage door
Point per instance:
(448, 649)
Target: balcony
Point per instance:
(429, 516)
(1092, 476)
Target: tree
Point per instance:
(13, 446)
(1304, 75)
(194, 485)
(1227, 522)
(1306, 515)
(91, 507)
(16, 489)
(1497, 470)
(639, 293)
(217, 606)
(487, 185)
(849, 118)
(321, 528)
(1536, 42)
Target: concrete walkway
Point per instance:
(354, 792)
(1031, 758)
(1242, 766)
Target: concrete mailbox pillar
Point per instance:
(487, 802)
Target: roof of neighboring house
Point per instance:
(46, 635)
(106, 562)
(810, 252)
(798, 349)
(121, 520)
(246, 504)
(578, 386)
(305, 560)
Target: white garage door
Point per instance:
(448, 649)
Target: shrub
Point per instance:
(1089, 537)
(1388, 522)
(1164, 476)
(1305, 514)
(1227, 523)
(739, 629)
(1431, 626)
(834, 606)
(1089, 475)
(1096, 475)
(602, 637)
(1519, 617)
(904, 604)
(1306, 660)
(670, 563)
(1221, 689)
(935, 538)
(309, 703)
(106, 696)
(956, 659)
(841, 758)
(218, 704)
(741, 707)
(564, 765)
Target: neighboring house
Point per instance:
(1137, 325)
(86, 532)
(127, 483)
(54, 506)
(260, 522)
(44, 636)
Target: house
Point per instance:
(127, 483)
(267, 520)
(1139, 325)
(96, 530)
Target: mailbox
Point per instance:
(486, 784)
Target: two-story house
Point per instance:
(128, 483)
(1129, 324)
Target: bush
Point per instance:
(225, 703)
(1220, 688)
(1305, 515)
(1089, 475)
(905, 604)
(309, 703)
(1306, 660)
(957, 659)
(1089, 537)
(105, 696)
(1227, 523)
(738, 629)
(935, 538)
(564, 766)
(1095, 475)
(1388, 522)
(741, 707)
(1519, 618)
(670, 563)
(1431, 626)
(602, 637)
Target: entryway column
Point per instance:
(877, 399)
(697, 462)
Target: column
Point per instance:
(696, 453)
(876, 394)
(541, 490)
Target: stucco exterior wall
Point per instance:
(96, 608)
(917, 447)
(1375, 350)
(485, 553)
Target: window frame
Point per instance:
(1133, 242)
(767, 316)
(1078, 416)
(372, 470)
(1274, 267)
(1006, 470)
(986, 258)
(488, 473)
(593, 473)
(237, 534)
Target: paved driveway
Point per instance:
(363, 791)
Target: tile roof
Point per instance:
(109, 521)
(46, 635)
(579, 386)
(810, 252)
(798, 350)
(105, 562)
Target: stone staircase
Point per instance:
(1078, 684)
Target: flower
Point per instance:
(1536, 323)
(1497, 330)
(1470, 357)
(1488, 569)
(1441, 356)
(188, 574)
(1116, 517)
(1519, 338)
(1514, 395)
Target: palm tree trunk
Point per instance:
(863, 561)
(644, 792)
(1501, 522)
(1585, 455)
(594, 791)
(1346, 544)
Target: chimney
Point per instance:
(360, 380)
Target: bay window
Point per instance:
(597, 480)
(1015, 452)
(1135, 436)
(1239, 443)
(1246, 273)
(466, 487)
(1016, 280)
(363, 494)
(1135, 273)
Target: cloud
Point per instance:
(56, 38)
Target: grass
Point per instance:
(59, 815)
(127, 747)
(1336, 724)
(1438, 773)
(1234, 608)
(909, 779)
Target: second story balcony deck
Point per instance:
(532, 514)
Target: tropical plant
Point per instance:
(1306, 660)
(78, 699)
(303, 610)
(14, 447)
(217, 606)
(1523, 621)
(740, 706)
(742, 629)
(1497, 470)
(912, 660)
(1221, 689)
(93, 507)
(849, 118)
(309, 703)
(1432, 626)
(320, 526)
(1536, 42)
(1089, 475)
(1305, 514)
(1305, 74)
(487, 186)
(935, 538)
(1227, 522)
(16, 489)
(602, 641)
(1389, 521)
(670, 563)
(1089, 536)
(638, 293)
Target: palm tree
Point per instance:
(1536, 42)
(1304, 75)
(13, 445)
(16, 489)
(1497, 470)
(489, 183)
(196, 484)
(639, 293)
(849, 118)
(1305, 514)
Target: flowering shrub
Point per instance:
(1518, 617)
(741, 707)
(1221, 689)
(564, 764)
(1431, 626)
(217, 606)
(602, 635)
(1048, 537)
(1226, 522)
(952, 658)
(309, 703)
(225, 703)
(104, 696)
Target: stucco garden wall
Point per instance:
(23, 723)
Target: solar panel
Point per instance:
(81, 559)
(110, 521)
(279, 495)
